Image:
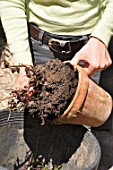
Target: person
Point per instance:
(63, 20)
(39, 31)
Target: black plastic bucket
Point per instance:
(22, 136)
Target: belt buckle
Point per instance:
(59, 46)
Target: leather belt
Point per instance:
(58, 45)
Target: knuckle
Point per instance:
(110, 62)
(103, 65)
(96, 66)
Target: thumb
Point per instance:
(74, 62)
(80, 62)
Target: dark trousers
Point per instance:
(106, 82)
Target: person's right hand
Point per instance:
(21, 83)
(94, 55)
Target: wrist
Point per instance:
(96, 38)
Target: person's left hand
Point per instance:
(22, 83)
(94, 55)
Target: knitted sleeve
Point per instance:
(12, 13)
(104, 28)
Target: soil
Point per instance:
(56, 84)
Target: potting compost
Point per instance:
(55, 83)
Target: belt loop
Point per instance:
(41, 33)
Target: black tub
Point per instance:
(22, 136)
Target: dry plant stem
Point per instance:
(9, 115)
(8, 97)
(28, 68)
(22, 65)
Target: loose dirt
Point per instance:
(56, 84)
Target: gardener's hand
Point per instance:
(94, 55)
(22, 82)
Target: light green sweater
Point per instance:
(65, 17)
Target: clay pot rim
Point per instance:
(82, 86)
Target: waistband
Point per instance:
(58, 43)
(35, 32)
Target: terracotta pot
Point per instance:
(91, 104)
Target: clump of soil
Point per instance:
(55, 83)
